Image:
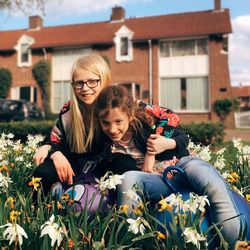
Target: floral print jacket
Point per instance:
(167, 125)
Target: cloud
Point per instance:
(78, 7)
(239, 51)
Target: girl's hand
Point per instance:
(157, 144)
(41, 154)
(149, 162)
(63, 167)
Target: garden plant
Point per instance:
(53, 223)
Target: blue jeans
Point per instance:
(201, 176)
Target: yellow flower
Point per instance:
(70, 243)
(139, 210)
(59, 205)
(160, 235)
(124, 208)
(14, 215)
(235, 175)
(165, 205)
(65, 197)
(35, 183)
(248, 198)
(49, 206)
(10, 202)
(3, 168)
(71, 202)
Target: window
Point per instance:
(24, 53)
(184, 48)
(123, 44)
(184, 94)
(61, 94)
(24, 56)
(165, 49)
(202, 47)
(134, 89)
(27, 93)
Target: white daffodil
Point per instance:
(193, 236)
(10, 136)
(177, 202)
(4, 183)
(205, 153)
(108, 181)
(220, 163)
(137, 225)
(237, 143)
(53, 230)
(114, 180)
(198, 202)
(132, 195)
(13, 233)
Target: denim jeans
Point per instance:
(202, 177)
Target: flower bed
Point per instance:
(55, 224)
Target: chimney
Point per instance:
(35, 22)
(217, 4)
(118, 14)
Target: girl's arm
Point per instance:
(56, 142)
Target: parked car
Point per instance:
(19, 110)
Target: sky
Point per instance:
(63, 12)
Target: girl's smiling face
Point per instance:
(115, 124)
(87, 95)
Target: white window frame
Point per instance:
(59, 95)
(24, 39)
(195, 48)
(206, 110)
(15, 93)
(123, 32)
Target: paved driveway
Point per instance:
(244, 134)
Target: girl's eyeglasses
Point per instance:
(91, 83)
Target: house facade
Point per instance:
(242, 93)
(179, 61)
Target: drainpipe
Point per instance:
(150, 69)
(45, 54)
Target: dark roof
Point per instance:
(155, 27)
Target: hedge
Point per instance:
(205, 133)
(21, 129)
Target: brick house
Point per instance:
(179, 61)
(242, 93)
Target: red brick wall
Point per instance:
(22, 76)
(132, 71)
(219, 78)
(137, 71)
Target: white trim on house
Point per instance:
(126, 35)
(24, 41)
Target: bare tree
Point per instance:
(22, 5)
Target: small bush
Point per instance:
(22, 129)
(205, 132)
(5, 82)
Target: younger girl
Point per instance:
(128, 126)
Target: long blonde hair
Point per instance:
(80, 141)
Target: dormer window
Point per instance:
(24, 55)
(123, 44)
